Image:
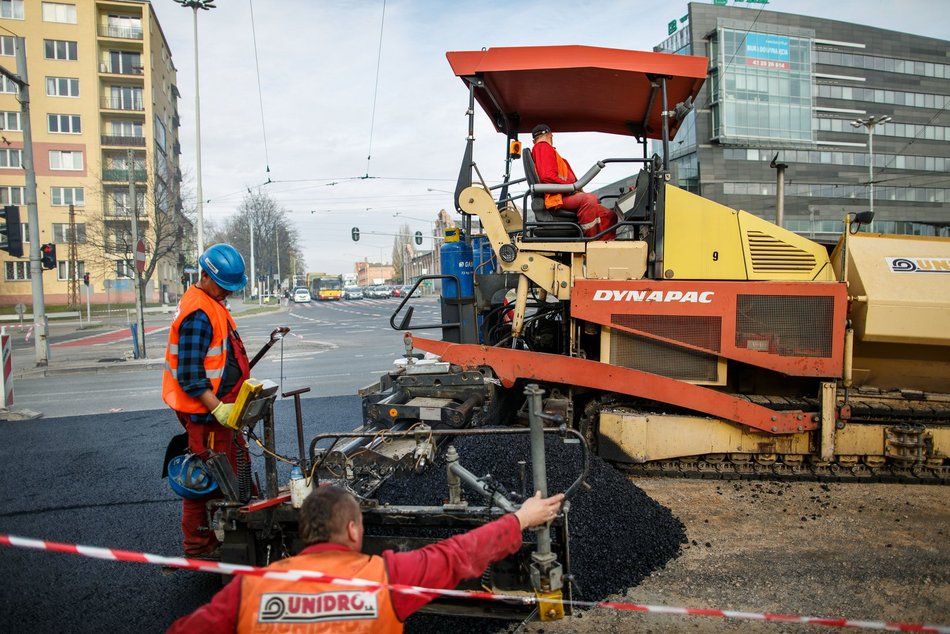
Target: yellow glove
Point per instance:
(222, 412)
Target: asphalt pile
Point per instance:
(618, 534)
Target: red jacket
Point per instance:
(440, 565)
(546, 164)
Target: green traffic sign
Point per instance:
(671, 27)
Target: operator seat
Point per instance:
(543, 214)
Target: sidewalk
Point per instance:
(108, 347)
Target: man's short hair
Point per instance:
(538, 130)
(325, 514)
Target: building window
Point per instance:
(64, 123)
(64, 196)
(7, 85)
(126, 26)
(65, 160)
(7, 45)
(121, 202)
(11, 9)
(160, 133)
(62, 87)
(128, 128)
(126, 98)
(17, 271)
(124, 268)
(60, 49)
(11, 158)
(63, 270)
(10, 121)
(764, 87)
(59, 12)
(11, 195)
(62, 234)
(125, 63)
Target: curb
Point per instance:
(93, 368)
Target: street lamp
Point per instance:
(869, 123)
(195, 5)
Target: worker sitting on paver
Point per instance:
(554, 169)
(205, 366)
(331, 525)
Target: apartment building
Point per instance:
(103, 112)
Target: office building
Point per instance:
(808, 93)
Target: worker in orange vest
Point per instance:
(554, 169)
(331, 525)
(205, 366)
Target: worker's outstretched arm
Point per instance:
(446, 563)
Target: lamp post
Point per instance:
(869, 123)
(195, 5)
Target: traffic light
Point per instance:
(85, 279)
(356, 234)
(11, 235)
(418, 237)
(48, 251)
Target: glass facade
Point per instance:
(761, 87)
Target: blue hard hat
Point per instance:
(225, 266)
(189, 477)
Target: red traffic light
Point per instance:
(85, 279)
(48, 251)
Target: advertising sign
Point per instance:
(767, 51)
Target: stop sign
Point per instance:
(140, 256)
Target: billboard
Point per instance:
(767, 51)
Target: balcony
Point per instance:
(177, 147)
(120, 32)
(118, 103)
(121, 212)
(122, 175)
(176, 121)
(123, 141)
(136, 71)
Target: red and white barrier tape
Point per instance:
(111, 554)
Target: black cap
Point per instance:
(538, 130)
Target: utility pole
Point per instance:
(139, 295)
(73, 260)
(277, 233)
(253, 274)
(40, 341)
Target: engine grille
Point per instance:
(786, 325)
(770, 255)
(637, 353)
(699, 331)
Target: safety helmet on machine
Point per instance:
(225, 266)
(189, 477)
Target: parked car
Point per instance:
(352, 292)
(401, 291)
(301, 295)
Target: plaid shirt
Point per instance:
(194, 339)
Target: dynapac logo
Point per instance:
(286, 607)
(695, 297)
(919, 265)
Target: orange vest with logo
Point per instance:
(277, 605)
(216, 359)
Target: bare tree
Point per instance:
(402, 252)
(164, 224)
(276, 238)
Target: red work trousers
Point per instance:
(591, 215)
(198, 536)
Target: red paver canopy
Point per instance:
(579, 88)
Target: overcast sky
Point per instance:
(318, 69)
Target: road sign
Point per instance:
(189, 270)
(140, 256)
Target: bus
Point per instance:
(324, 287)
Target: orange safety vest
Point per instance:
(563, 171)
(278, 605)
(215, 360)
